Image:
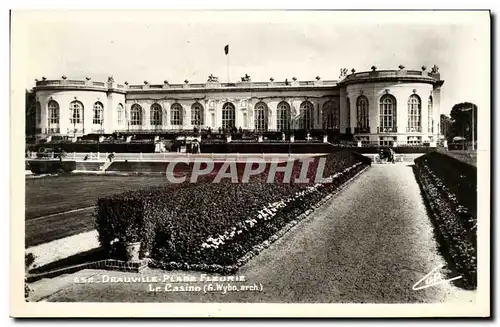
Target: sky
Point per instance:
(178, 45)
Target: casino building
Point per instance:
(377, 106)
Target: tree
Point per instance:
(461, 114)
(30, 111)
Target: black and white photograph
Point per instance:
(250, 163)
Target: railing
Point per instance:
(48, 82)
(393, 129)
(191, 85)
(388, 73)
(74, 82)
(417, 129)
(362, 130)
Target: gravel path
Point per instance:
(370, 244)
(64, 248)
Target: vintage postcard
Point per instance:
(250, 163)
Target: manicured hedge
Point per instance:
(51, 166)
(221, 146)
(214, 223)
(102, 147)
(449, 186)
(459, 176)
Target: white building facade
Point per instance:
(385, 106)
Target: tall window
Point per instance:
(362, 112)
(331, 115)
(430, 115)
(261, 114)
(414, 113)
(348, 106)
(245, 120)
(155, 115)
(388, 109)
(176, 114)
(305, 120)
(76, 112)
(228, 115)
(212, 119)
(197, 114)
(121, 114)
(136, 115)
(283, 116)
(53, 112)
(38, 113)
(98, 113)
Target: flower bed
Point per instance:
(213, 226)
(455, 223)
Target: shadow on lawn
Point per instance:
(65, 265)
(451, 270)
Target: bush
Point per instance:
(449, 188)
(215, 223)
(29, 259)
(51, 166)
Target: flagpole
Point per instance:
(228, 68)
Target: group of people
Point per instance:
(195, 147)
(388, 154)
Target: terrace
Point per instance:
(65, 83)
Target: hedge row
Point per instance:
(455, 223)
(221, 146)
(51, 166)
(457, 175)
(102, 147)
(213, 223)
(299, 147)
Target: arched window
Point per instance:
(197, 114)
(331, 115)
(176, 114)
(53, 112)
(362, 112)
(136, 115)
(228, 116)
(38, 113)
(121, 114)
(76, 112)
(283, 116)
(155, 115)
(414, 114)
(388, 109)
(430, 115)
(98, 113)
(261, 116)
(305, 120)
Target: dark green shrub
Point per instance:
(51, 166)
(449, 187)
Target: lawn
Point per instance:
(51, 195)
